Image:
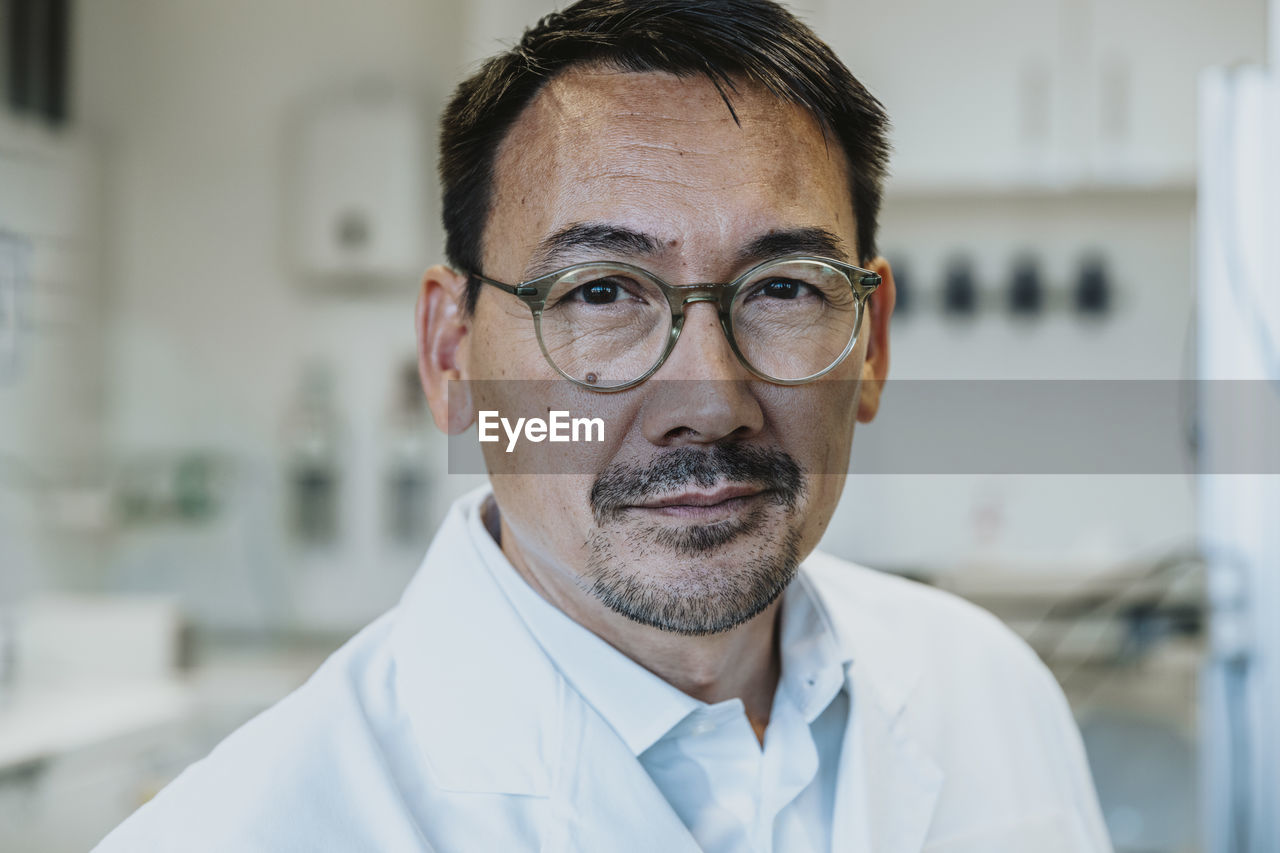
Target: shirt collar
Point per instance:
(814, 662)
(636, 703)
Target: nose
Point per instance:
(701, 395)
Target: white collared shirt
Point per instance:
(731, 793)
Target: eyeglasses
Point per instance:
(609, 326)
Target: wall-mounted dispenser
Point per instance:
(361, 160)
(904, 287)
(959, 289)
(1093, 288)
(1026, 293)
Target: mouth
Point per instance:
(703, 505)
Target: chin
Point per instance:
(692, 579)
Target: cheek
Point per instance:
(814, 423)
(549, 518)
(547, 512)
(825, 490)
(816, 428)
(504, 341)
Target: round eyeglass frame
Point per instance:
(534, 294)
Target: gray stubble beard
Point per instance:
(705, 600)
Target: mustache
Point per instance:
(625, 484)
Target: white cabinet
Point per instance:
(970, 87)
(1005, 94)
(1145, 56)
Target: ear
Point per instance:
(875, 366)
(443, 348)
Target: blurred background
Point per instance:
(215, 460)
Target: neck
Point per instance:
(743, 662)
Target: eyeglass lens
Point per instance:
(608, 327)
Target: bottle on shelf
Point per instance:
(313, 470)
(408, 479)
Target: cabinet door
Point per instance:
(974, 89)
(1141, 105)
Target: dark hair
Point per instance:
(755, 40)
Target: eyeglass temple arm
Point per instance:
(868, 281)
(524, 291)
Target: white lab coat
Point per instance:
(443, 726)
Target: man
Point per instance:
(642, 651)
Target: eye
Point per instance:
(783, 288)
(600, 292)
(606, 291)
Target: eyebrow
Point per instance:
(618, 240)
(597, 236)
(793, 241)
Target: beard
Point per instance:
(704, 597)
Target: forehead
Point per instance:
(664, 155)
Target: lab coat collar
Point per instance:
(483, 700)
(488, 708)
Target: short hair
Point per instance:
(755, 40)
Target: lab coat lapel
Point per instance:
(901, 781)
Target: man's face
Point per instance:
(694, 513)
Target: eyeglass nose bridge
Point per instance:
(682, 295)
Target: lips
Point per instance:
(697, 484)
(700, 498)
